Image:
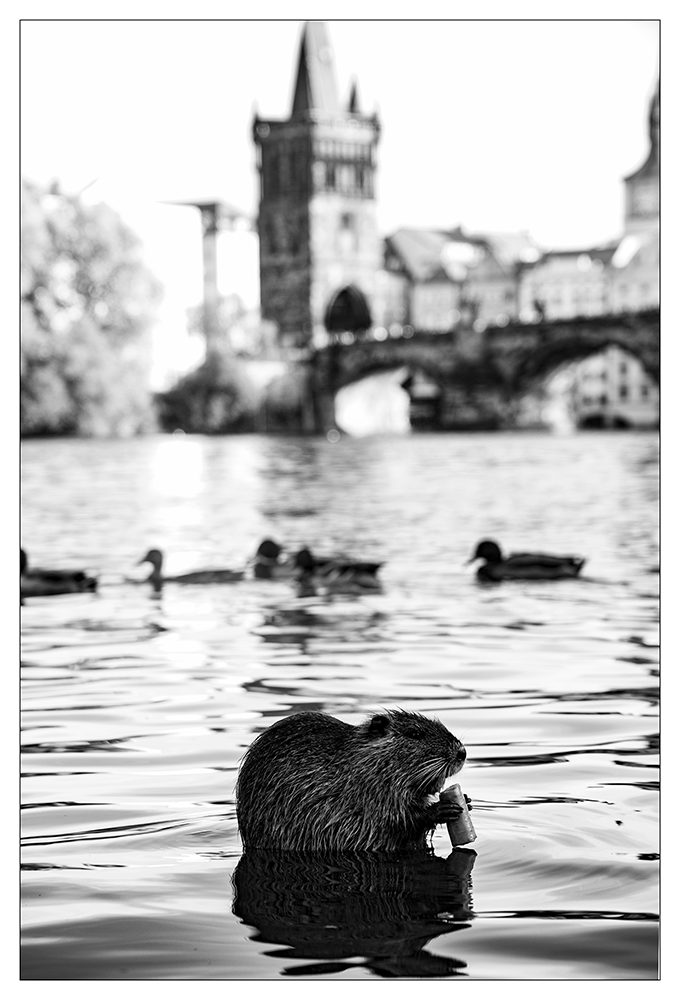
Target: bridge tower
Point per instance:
(320, 249)
(642, 186)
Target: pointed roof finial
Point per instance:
(315, 88)
(353, 104)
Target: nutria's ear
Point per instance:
(378, 726)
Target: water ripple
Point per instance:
(138, 707)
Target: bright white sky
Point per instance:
(499, 125)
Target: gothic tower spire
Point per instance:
(315, 88)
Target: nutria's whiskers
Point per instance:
(431, 772)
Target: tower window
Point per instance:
(347, 234)
(345, 178)
(319, 172)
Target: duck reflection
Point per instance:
(383, 909)
(296, 625)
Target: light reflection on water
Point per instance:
(137, 708)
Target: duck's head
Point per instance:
(24, 561)
(304, 560)
(488, 551)
(153, 556)
(269, 549)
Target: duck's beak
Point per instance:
(145, 559)
(470, 560)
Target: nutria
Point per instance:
(313, 783)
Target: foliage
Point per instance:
(240, 330)
(219, 396)
(86, 301)
(215, 398)
(77, 383)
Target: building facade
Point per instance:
(564, 283)
(613, 388)
(325, 272)
(445, 278)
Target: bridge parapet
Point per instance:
(485, 372)
(516, 353)
(529, 351)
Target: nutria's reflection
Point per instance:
(382, 908)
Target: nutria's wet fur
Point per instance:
(313, 783)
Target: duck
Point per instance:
(523, 565)
(339, 574)
(266, 564)
(49, 582)
(157, 579)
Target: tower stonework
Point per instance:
(642, 186)
(320, 250)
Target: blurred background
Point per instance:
(229, 186)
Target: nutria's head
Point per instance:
(409, 750)
(269, 549)
(488, 551)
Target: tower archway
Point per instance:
(347, 310)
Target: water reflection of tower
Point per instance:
(320, 250)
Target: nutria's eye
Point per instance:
(413, 734)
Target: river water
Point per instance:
(137, 707)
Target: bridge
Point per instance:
(482, 376)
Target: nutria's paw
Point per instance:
(447, 811)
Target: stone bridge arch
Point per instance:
(365, 366)
(528, 355)
(483, 374)
(549, 359)
(403, 395)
